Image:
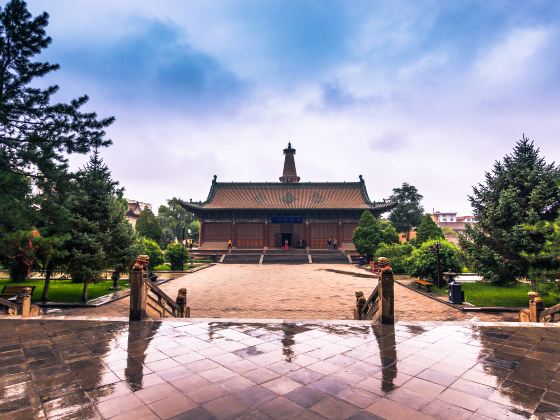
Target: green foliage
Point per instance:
(152, 250)
(408, 212)
(389, 234)
(515, 208)
(195, 229)
(177, 254)
(367, 235)
(20, 251)
(174, 221)
(422, 261)
(397, 255)
(147, 226)
(428, 230)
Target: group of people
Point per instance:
(332, 243)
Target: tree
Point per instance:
(36, 135)
(147, 226)
(422, 262)
(100, 235)
(519, 197)
(177, 255)
(153, 251)
(428, 230)
(389, 234)
(174, 221)
(367, 235)
(408, 212)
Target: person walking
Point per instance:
(229, 245)
(335, 244)
(329, 243)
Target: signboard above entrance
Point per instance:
(287, 219)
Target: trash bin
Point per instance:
(361, 261)
(455, 294)
(214, 258)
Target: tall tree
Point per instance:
(147, 225)
(408, 212)
(100, 235)
(367, 235)
(35, 134)
(519, 196)
(427, 230)
(174, 221)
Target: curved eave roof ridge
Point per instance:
(341, 184)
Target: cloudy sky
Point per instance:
(425, 92)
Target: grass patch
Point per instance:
(65, 290)
(186, 266)
(487, 294)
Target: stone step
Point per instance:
(286, 259)
(241, 259)
(330, 258)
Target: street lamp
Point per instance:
(436, 250)
(183, 236)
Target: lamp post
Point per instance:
(436, 250)
(183, 236)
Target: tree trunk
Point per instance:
(45, 295)
(533, 285)
(85, 290)
(407, 235)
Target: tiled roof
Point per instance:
(311, 195)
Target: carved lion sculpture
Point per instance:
(181, 296)
(360, 299)
(141, 263)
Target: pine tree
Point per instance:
(428, 230)
(367, 235)
(518, 198)
(35, 134)
(174, 221)
(408, 212)
(101, 237)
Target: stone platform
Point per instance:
(203, 369)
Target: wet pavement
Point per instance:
(204, 369)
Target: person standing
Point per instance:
(229, 245)
(329, 243)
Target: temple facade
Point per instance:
(267, 214)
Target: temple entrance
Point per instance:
(286, 237)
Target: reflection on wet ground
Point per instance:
(112, 369)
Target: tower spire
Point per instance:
(289, 175)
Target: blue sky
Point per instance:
(427, 92)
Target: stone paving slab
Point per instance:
(54, 368)
(307, 291)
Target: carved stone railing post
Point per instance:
(386, 296)
(24, 301)
(360, 303)
(138, 289)
(536, 306)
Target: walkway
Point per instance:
(231, 369)
(304, 291)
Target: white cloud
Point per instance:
(511, 58)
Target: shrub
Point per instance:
(422, 261)
(397, 255)
(428, 230)
(152, 250)
(177, 254)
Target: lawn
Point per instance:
(65, 290)
(486, 294)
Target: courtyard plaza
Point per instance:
(298, 291)
(251, 369)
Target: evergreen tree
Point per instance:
(174, 221)
(147, 226)
(389, 234)
(35, 134)
(367, 235)
(100, 237)
(428, 230)
(177, 255)
(408, 212)
(514, 205)
(154, 253)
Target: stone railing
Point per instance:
(537, 312)
(148, 300)
(22, 305)
(380, 306)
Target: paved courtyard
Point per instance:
(250, 370)
(305, 291)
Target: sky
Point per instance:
(425, 92)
